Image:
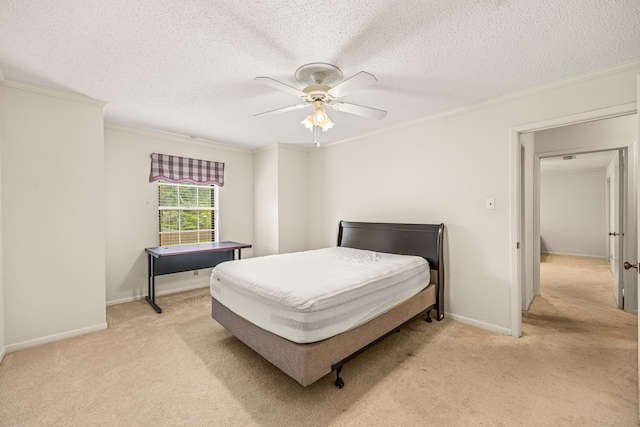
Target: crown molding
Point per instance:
(569, 81)
(170, 136)
(295, 147)
(620, 68)
(286, 145)
(269, 147)
(56, 93)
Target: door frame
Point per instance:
(518, 226)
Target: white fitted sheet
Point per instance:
(313, 295)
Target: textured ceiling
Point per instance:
(187, 67)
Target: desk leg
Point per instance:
(151, 297)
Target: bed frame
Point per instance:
(307, 363)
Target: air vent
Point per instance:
(568, 157)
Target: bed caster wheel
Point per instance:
(339, 381)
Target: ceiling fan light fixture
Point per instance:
(328, 125)
(320, 116)
(322, 120)
(308, 122)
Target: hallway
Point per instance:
(577, 319)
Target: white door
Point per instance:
(615, 219)
(610, 213)
(636, 150)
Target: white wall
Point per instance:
(293, 199)
(280, 183)
(573, 213)
(53, 215)
(442, 169)
(132, 207)
(266, 208)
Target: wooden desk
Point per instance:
(175, 259)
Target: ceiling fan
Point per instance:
(319, 93)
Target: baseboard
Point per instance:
(10, 348)
(479, 324)
(580, 255)
(170, 291)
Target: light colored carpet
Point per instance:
(575, 365)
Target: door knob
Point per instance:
(614, 234)
(628, 266)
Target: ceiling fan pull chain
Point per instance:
(316, 139)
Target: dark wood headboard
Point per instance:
(423, 240)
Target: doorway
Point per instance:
(525, 259)
(582, 203)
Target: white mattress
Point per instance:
(313, 295)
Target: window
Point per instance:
(187, 213)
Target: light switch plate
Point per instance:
(491, 203)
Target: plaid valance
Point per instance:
(182, 169)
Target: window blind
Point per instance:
(187, 213)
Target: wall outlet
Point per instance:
(491, 203)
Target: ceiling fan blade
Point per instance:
(278, 85)
(353, 83)
(282, 110)
(359, 110)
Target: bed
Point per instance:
(316, 333)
